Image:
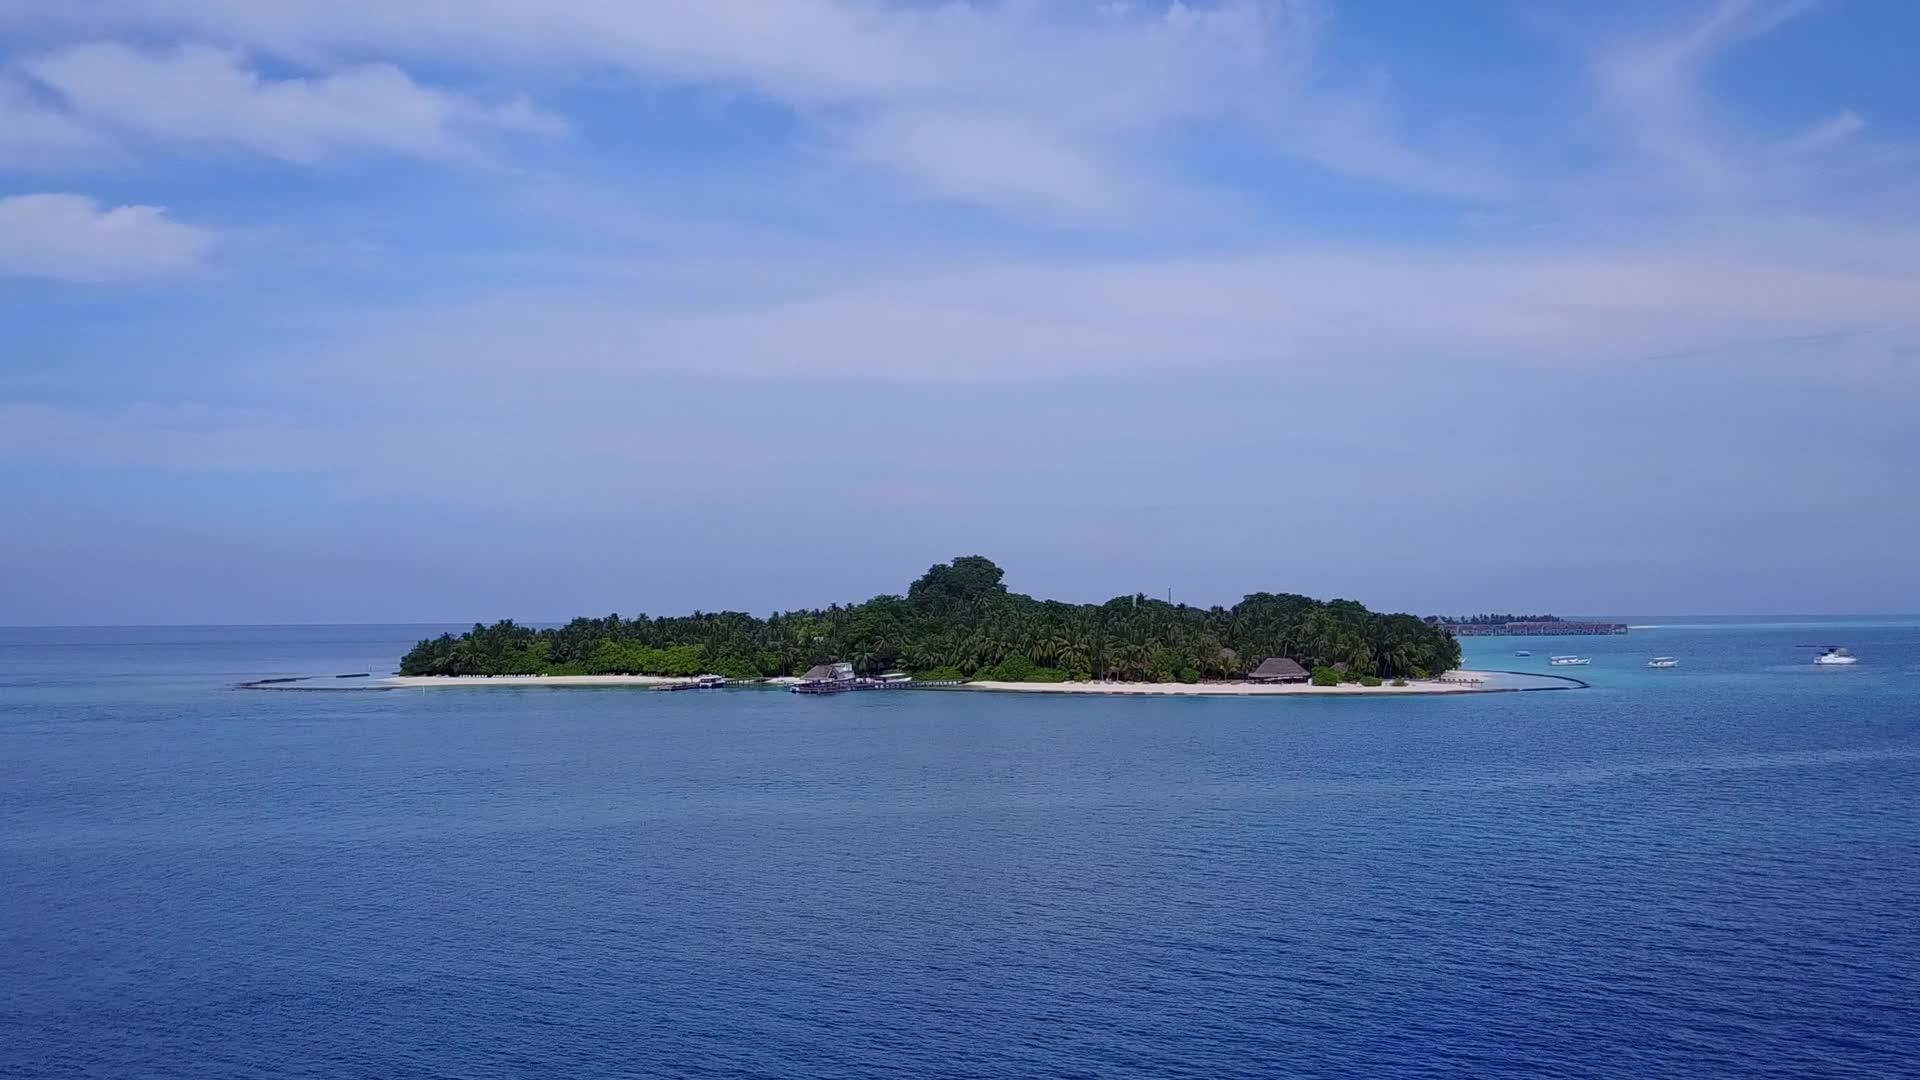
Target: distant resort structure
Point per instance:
(839, 678)
(1522, 626)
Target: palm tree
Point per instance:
(1074, 654)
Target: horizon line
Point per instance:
(562, 622)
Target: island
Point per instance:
(1522, 626)
(959, 625)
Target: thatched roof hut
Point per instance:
(828, 673)
(1279, 669)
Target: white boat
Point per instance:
(1663, 662)
(1569, 661)
(698, 682)
(1523, 652)
(1835, 655)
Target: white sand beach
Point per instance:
(1455, 682)
(532, 680)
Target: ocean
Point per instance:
(1708, 871)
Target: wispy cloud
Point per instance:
(1041, 113)
(1033, 108)
(38, 139)
(197, 95)
(1687, 141)
(1312, 313)
(1024, 168)
(1832, 131)
(74, 238)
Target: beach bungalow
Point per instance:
(1277, 669)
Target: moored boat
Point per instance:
(1570, 661)
(702, 682)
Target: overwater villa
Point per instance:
(826, 679)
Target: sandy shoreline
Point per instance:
(532, 680)
(1458, 682)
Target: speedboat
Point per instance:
(1522, 652)
(702, 682)
(1834, 655)
(1570, 661)
(1663, 662)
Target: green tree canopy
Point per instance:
(960, 616)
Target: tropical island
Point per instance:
(959, 623)
(1521, 626)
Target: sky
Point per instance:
(416, 310)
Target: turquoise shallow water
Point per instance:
(1708, 871)
(1747, 656)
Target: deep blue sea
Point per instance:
(1711, 871)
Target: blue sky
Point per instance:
(339, 310)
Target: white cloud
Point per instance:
(1022, 106)
(1051, 112)
(1835, 129)
(575, 392)
(1687, 143)
(996, 160)
(36, 138)
(1350, 314)
(72, 237)
(197, 94)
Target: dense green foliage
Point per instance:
(1325, 676)
(1017, 668)
(960, 618)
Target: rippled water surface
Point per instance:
(1712, 871)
